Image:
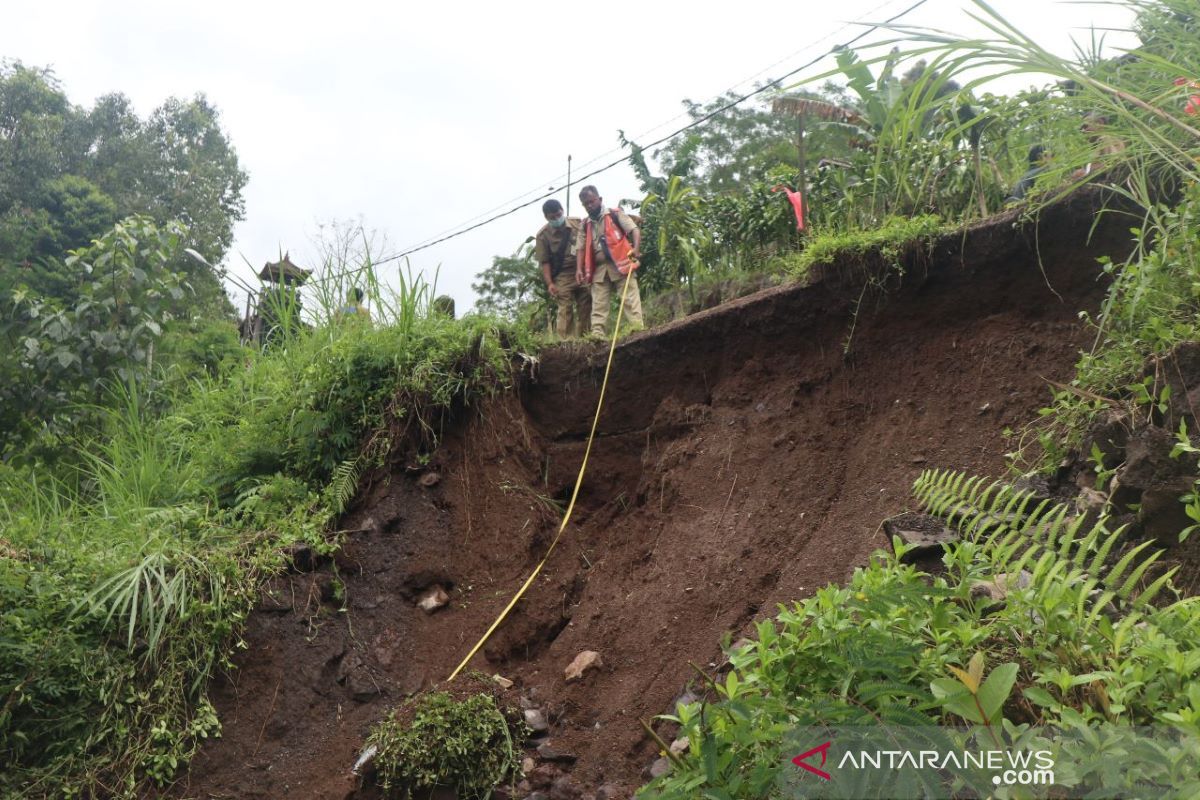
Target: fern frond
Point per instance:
(343, 484)
(1147, 595)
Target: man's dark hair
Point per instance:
(356, 295)
(589, 188)
(1035, 154)
(551, 206)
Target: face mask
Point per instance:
(558, 223)
(597, 213)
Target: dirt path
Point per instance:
(745, 458)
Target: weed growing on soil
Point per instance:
(1078, 632)
(438, 741)
(889, 245)
(128, 570)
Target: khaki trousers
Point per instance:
(607, 283)
(574, 305)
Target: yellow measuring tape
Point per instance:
(612, 348)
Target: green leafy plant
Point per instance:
(971, 697)
(66, 357)
(438, 741)
(1081, 635)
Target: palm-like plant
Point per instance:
(681, 232)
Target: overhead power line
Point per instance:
(695, 123)
(557, 182)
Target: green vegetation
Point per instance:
(434, 741)
(1087, 638)
(153, 470)
(67, 174)
(131, 557)
(884, 247)
(900, 647)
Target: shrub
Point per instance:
(435, 740)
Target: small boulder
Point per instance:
(362, 685)
(365, 758)
(547, 753)
(433, 599)
(999, 587)
(923, 533)
(536, 720)
(1090, 504)
(543, 775)
(430, 479)
(680, 745)
(502, 682)
(660, 767)
(588, 659)
(564, 789)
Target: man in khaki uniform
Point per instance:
(555, 252)
(607, 280)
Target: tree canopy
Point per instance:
(67, 174)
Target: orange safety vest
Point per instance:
(616, 244)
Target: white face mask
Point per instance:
(559, 222)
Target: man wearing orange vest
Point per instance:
(606, 255)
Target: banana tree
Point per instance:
(682, 235)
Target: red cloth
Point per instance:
(1192, 107)
(797, 201)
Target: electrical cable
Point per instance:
(695, 123)
(557, 179)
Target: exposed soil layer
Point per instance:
(745, 457)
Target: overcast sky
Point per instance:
(419, 117)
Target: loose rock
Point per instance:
(365, 758)
(430, 479)
(924, 533)
(536, 720)
(564, 789)
(660, 767)
(998, 588)
(547, 753)
(586, 660)
(543, 775)
(433, 599)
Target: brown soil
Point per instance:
(744, 458)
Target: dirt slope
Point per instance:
(744, 459)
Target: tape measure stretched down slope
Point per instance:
(612, 347)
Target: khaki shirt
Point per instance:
(598, 231)
(549, 239)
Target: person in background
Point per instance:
(355, 308)
(555, 253)
(609, 245)
(1039, 157)
(444, 304)
(1105, 146)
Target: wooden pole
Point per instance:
(568, 212)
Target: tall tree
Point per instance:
(67, 174)
(737, 146)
